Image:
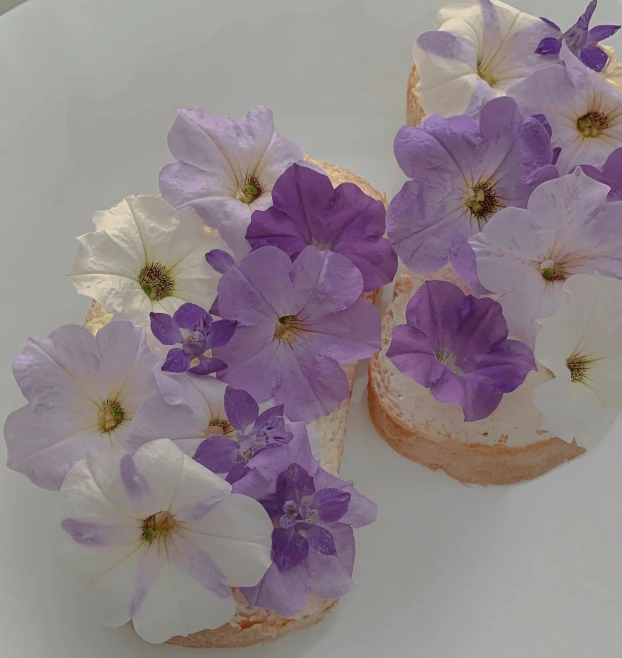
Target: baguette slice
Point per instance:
(504, 448)
(254, 625)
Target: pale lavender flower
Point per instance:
(481, 48)
(457, 346)
(297, 322)
(226, 169)
(82, 392)
(159, 540)
(610, 174)
(584, 111)
(308, 211)
(312, 543)
(462, 173)
(526, 255)
(192, 328)
(580, 39)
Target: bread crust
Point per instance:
(414, 110)
(470, 462)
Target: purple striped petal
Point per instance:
(330, 504)
(90, 534)
(135, 484)
(549, 46)
(601, 32)
(190, 316)
(240, 408)
(446, 44)
(321, 540)
(176, 361)
(207, 365)
(196, 563)
(594, 58)
(220, 333)
(288, 548)
(165, 329)
(219, 260)
(218, 453)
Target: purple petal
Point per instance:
(214, 308)
(330, 576)
(237, 472)
(550, 23)
(272, 505)
(207, 366)
(263, 243)
(165, 329)
(218, 453)
(240, 408)
(321, 540)
(549, 46)
(361, 511)
(90, 534)
(196, 563)
(219, 260)
(289, 548)
(284, 592)
(294, 483)
(586, 16)
(135, 484)
(190, 316)
(149, 568)
(594, 58)
(447, 45)
(601, 32)
(330, 504)
(556, 153)
(176, 361)
(220, 333)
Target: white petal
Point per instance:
(237, 534)
(161, 463)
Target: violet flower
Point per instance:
(254, 432)
(462, 173)
(297, 322)
(313, 543)
(581, 40)
(457, 346)
(196, 332)
(609, 174)
(307, 210)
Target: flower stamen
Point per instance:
(111, 415)
(578, 366)
(157, 526)
(156, 281)
(250, 190)
(483, 203)
(219, 427)
(286, 327)
(448, 359)
(592, 124)
(552, 271)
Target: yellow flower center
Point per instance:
(157, 527)
(156, 281)
(482, 203)
(250, 190)
(286, 327)
(578, 366)
(592, 124)
(111, 415)
(219, 427)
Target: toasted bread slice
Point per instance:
(504, 448)
(253, 625)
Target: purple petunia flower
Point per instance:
(581, 40)
(610, 174)
(457, 346)
(462, 173)
(196, 332)
(254, 433)
(297, 322)
(308, 211)
(314, 513)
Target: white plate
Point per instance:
(87, 94)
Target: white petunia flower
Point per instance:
(582, 346)
(159, 539)
(144, 257)
(481, 49)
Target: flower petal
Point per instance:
(594, 58)
(218, 453)
(330, 576)
(289, 548)
(320, 540)
(176, 361)
(284, 592)
(221, 333)
(241, 409)
(165, 329)
(219, 260)
(601, 32)
(294, 483)
(190, 316)
(207, 366)
(549, 46)
(330, 504)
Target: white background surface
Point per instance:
(87, 93)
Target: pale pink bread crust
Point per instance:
(400, 411)
(255, 625)
(414, 111)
